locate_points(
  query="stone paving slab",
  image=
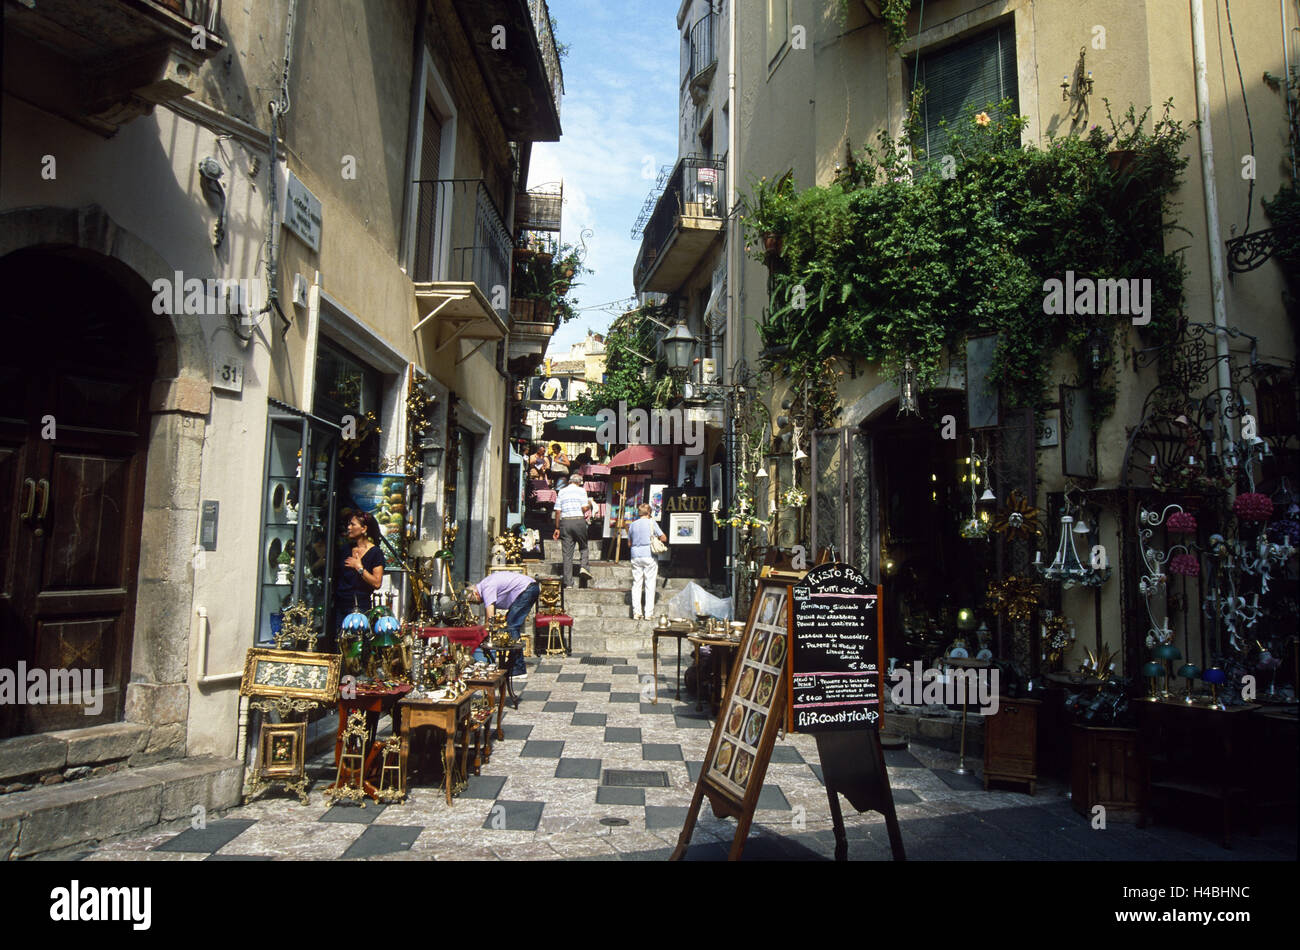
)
(542, 796)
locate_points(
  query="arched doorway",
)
(75, 374)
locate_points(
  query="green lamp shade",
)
(1189, 672)
(1215, 676)
(1151, 669)
(965, 619)
(1167, 651)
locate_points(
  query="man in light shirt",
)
(572, 514)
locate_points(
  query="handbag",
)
(657, 546)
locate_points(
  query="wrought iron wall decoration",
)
(1155, 578)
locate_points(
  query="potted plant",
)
(285, 565)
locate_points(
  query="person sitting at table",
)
(515, 593)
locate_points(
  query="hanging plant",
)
(898, 260)
(1188, 565)
(794, 497)
(1253, 506)
(1181, 522)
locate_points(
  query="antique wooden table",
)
(495, 684)
(678, 632)
(720, 653)
(448, 715)
(374, 703)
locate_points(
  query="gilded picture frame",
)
(292, 673)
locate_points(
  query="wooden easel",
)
(620, 522)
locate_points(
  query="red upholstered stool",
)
(554, 625)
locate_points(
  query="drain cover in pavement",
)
(614, 822)
(635, 778)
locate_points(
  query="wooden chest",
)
(1010, 743)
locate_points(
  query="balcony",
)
(539, 209)
(102, 63)
(524, 79)
(462, 263)
(685, 223)
(704, 57)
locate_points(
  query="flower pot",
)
(282, 575)
(771, 243)
(1120, 161)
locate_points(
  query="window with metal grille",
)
(972, 74)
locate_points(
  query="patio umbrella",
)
(572, 428)
(635, 455)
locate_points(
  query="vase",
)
(282, 574)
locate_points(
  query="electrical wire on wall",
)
(1250, 195)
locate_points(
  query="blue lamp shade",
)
(1214, 676)
(386, 629)
(356, 622)
(1189, 672)
(1151, 669)
(1167, 651)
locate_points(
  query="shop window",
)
(971, 74)
(346, 387)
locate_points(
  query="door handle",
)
(29, 485)
(43, 487)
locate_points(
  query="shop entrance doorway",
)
(929, 572)
(75, 371)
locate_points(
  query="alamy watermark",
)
(204, 297)
(656, 427)
(40, 687)
(952, 687)
(1087, 295)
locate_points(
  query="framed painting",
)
(685, 527)
(291, 673)
(283, 753)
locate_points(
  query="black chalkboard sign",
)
(836, 652)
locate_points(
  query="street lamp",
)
(678, 345)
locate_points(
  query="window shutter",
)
(427, 202)
(976, 73)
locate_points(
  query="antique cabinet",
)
(297, 520)
(1010, 743)
(1105, 770)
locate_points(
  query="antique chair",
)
(552, 619)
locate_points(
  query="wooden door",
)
(72, 453)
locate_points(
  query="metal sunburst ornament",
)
(1014, 597)
(1019, 520)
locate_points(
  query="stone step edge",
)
(44, 822)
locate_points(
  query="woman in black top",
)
(362, 563)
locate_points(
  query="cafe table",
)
(451, 716)
(677, 631)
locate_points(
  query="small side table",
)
(448, 715)
(717, 662)
(495, 684)
(678, 634)
(505, 661)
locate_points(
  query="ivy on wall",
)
(902, 256)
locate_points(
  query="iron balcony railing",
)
(703, 51)
(204, 13)
(550, 53)
(696, 188)
(475, 246)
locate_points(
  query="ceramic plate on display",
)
(273, 554)
(278, 493)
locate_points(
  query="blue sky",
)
(619, 111)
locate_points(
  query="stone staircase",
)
(602, 606)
